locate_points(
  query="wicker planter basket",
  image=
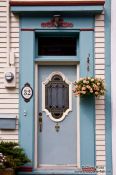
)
(7, 171)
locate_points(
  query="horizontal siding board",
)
(100, 106)
(14, 19)
(101, 112)
(100, 148)
(100, 122)
(100, 158)
(99, 29)
(14, 40)
(9, 132)
(100, 142)
(100, 127)
(100, 50)
(99, 72)
(99, 55)
(99, 40)
(100, 153)
(100, 102)
(3, 30)
(3, 60)
(99, 61)
(3, 4)
(15, 25)
(3, 35)
(14, 34)
(98, 162)
(3, 40)
(3, 9)
(3, 24)
(99, 23)
(100, 132)
(9, 101)
(9, 137)
(99, 17)
(3, 96)
(100, 137)
(7, 91)
(9, 111)
(3, 45)
(15, 45)
(3, 19)
(99, 45)
(2, 14)
(100, 66)
(99, 34)
(100, 76)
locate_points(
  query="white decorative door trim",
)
(48, 79)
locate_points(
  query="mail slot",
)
(8, 123)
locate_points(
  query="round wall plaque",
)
(27, 92)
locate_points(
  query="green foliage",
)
(14, 155)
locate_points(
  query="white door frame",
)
(36, 119)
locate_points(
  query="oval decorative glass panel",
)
(57, 93)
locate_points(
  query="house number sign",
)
(27, 92)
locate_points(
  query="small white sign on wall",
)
(27, 92)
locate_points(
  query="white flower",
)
(84, 81)
(83, 88)
(98, 83)
(92, 80)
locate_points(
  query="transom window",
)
(57, 46)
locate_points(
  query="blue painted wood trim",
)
(26, 126)
(64, 9)
(57, 58)
(108, 87)
(87, 104)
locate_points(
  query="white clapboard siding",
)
(9, 137)
(9, 106)
(6, 91)
(99, 55)
(100, 103)
(9, 111)
(2, 40)
(9, 98)
(100, 106)
(100, 61)
(100, 122)
(99, 40)
(100, 153)
(99, 29)
(99, 66)
(99, 45)
(100, 148)
(9, 101)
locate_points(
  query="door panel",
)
(57, 148)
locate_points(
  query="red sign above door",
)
(52, 23)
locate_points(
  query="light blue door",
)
(57, 125)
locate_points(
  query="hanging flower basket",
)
(89, 86)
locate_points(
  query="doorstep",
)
(57, 172)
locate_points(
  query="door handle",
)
(40, 121)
